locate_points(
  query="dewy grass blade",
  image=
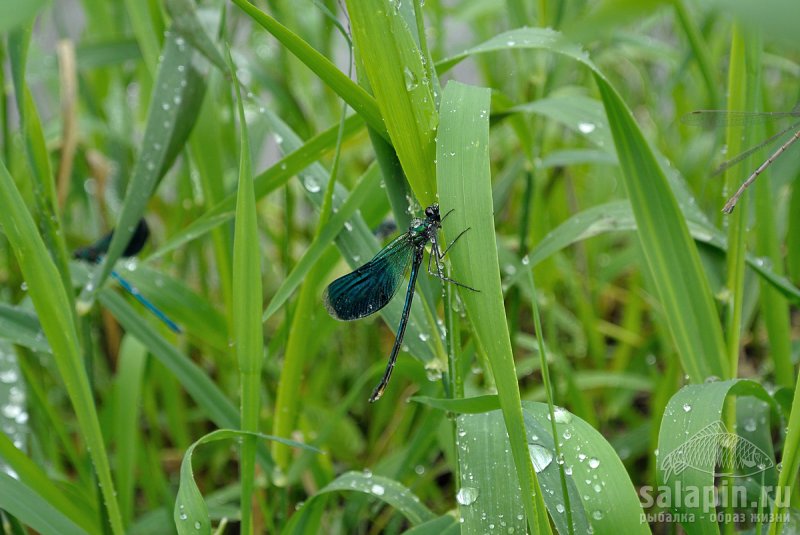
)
(56, 316)
(177, 93)
(488, 488)
(591, 459)
(688, 415)
(387, 490)
(465, 187)
(393, 64)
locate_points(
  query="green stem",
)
(537, 321)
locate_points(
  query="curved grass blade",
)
(520, 38)
(669, 252)
(191, 511)
(382, 488)
(687, 416)
(593, 461)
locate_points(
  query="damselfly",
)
(714, 118)
(370, 287)
(94, 254)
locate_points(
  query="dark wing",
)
(137, 241)
(370, 287)
(92, 253)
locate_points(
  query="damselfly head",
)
(432, 212)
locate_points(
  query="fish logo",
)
(713, 446)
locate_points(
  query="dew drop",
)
(562, 416)
(467, 495)
(411, 79)
(541, 457)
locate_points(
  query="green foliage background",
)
(269, 145)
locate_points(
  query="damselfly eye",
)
(432, 210)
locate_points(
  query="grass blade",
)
(58, 322)
(688, 412)
(178, 91)
(247, 296)
(382, 488)
(26, 505)
(354, 95)
(127, 398)
(393, 64)
(465, 187)
(191, 511)
(669, 252)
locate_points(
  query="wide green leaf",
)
(693, 438)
